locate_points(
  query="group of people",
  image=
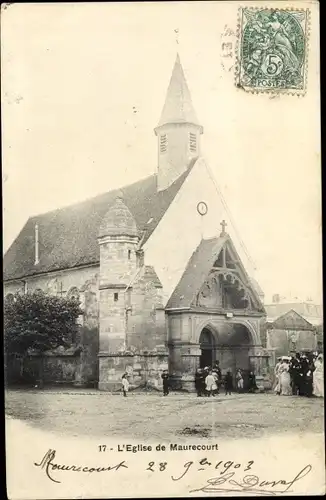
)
(300, 375)
(209, 380)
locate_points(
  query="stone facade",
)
(133, 271)
(291, 333)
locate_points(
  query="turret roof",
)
(118, 220)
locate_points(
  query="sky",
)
(83, 86)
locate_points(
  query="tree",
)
(36, 322)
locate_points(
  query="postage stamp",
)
(272, 50)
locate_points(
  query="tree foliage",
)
(39, 322)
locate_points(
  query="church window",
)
(163, 143)
(193, 142)
(116, 296)
(129, 254)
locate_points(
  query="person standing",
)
(284, 378)
(295, 373)
(252, 382)
(309, 376)
(276, 374)
(165, 378)
(239, 379)
(318, 379)
(205, 373)
(210, 384)
(199, 382)
(303, 375)
(228, 383)
(125, 384)
(218, 372)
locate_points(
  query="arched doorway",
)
(207, 347)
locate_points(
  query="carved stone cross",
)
(223, 224)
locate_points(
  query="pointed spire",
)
(178, 106)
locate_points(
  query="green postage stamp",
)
(272, 50)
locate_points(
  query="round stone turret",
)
(118, 221)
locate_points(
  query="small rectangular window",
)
(192, 142)
(163, 143)
(129, 254)
(116, 296)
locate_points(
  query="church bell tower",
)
(178, 131)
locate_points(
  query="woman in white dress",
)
(318, 377)
(277, 386)
(285, 379)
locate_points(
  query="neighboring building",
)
(301, 321)
(308, 310)
(291, 333)
(154, 277)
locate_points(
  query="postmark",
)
(272, 50)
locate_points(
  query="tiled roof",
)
(196, 272)
(68, 236)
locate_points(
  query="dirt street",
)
(152, 416)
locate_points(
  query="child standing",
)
(165, 377)
(125, 385)
(210, 383)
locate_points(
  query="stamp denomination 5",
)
(272, 50)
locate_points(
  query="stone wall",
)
(145, 321)
(68, 278)
(57, 369)
(144, 370)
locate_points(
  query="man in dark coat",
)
(165, 377)
(252, 382)
(217, 370)
(228, 383)
(199, 382)
(303, 375)
(295, 373)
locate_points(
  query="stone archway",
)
(229, 343)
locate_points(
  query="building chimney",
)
(276, 298)
(36, 246)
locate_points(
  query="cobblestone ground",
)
(152, 416)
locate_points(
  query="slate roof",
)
(311, 312)
(178, 107)
(68, 236)
(291, 320)
(196, 272)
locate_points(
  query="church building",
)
(157, 273)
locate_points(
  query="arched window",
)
(73, 293)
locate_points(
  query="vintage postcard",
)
(163, 318)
